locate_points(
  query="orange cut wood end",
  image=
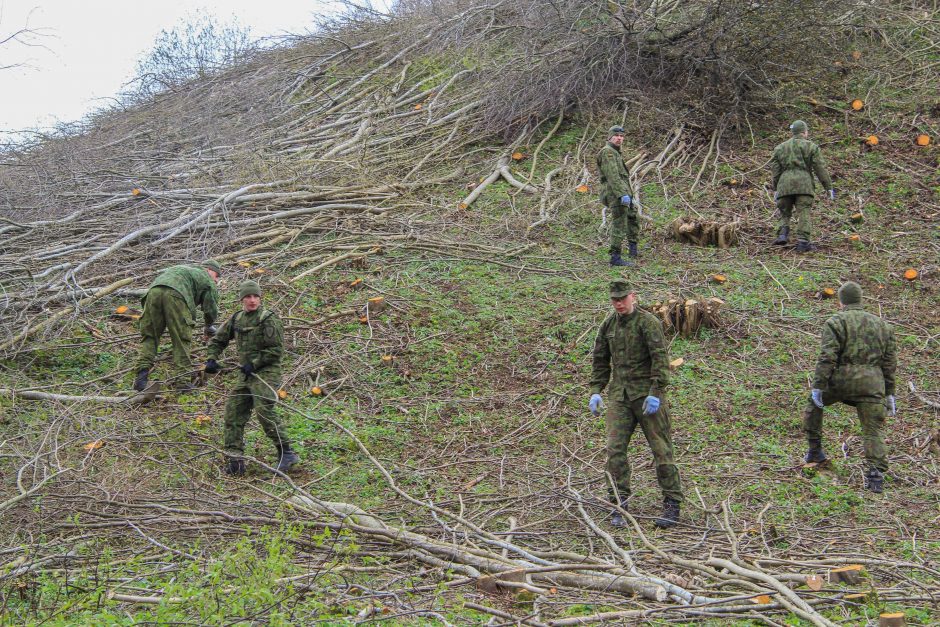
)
(719, 278)
(94, 445)
(419, 106)
(316, 390)
(923, 140)
(136, 191)
(854, 237)
(121, 309)
(857, 104)
(872, 140)
(282, 393)
(828, 292)
(376, 300)
(581, 189)
(518, 156)
(910, 274)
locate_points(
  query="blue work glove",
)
(650, 405)
(626, 199)
(816, 395)
(595, 404)
(892, 406)
(212, 366)
(832, 194)
(247, 369)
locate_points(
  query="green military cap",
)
(798, 127)
(248, 288)
(212, 264)
(850, 293)
(615, 130)
(619, 289)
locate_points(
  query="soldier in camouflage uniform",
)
(170, 305)
(617, 195)
(856, 366)
(793, 165)
(259, 336)
(630, 352)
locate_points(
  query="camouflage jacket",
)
(858, 357)
(195, 286)
(615, 179)
(793, 164)
(259, 337)
(630, 352)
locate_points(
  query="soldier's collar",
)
(621, 316)
(617, 148)
(853, 306)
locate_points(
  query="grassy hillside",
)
(356, 159)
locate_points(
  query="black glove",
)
(212, 366)
(211, 330)
(247, 369)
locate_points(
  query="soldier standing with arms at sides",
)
(170, 305)
(630, 353)
(259, 337)
(856, 366)
(617, 195)
(793, 165)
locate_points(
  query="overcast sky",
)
(89, 48)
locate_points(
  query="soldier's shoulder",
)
(648, 318)
(606, 151)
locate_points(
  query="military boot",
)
(783, 236)
(634, 253)
(618, 519)
(140, 382)
(286, 458)
(617, 260)
(874, 480)
(234, 467)
(670, 515)
(815, 454)
(803, 246)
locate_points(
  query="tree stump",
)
(705, 232)
(687, 316)
(850, 574)
(891, 619)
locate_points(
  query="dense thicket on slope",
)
(370, 159)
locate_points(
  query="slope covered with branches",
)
(442, 158)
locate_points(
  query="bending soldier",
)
(856, 366)
(259, 337)
(170, 305)
(793, 165)
(630, 352)
(617, 195)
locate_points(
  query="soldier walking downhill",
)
(793, 165)
(856, 366)
(617, 195)
(630, 352)
(259, 337)
(170, 305)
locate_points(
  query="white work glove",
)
(832, 194)
(892, 406)
(596, 403)
(816, 395)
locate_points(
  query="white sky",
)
(91, 47)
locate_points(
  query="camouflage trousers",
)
(622, 420)
(870, 414)
(802, 204)
(257, 394)
(624, 223)
(165, 310)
